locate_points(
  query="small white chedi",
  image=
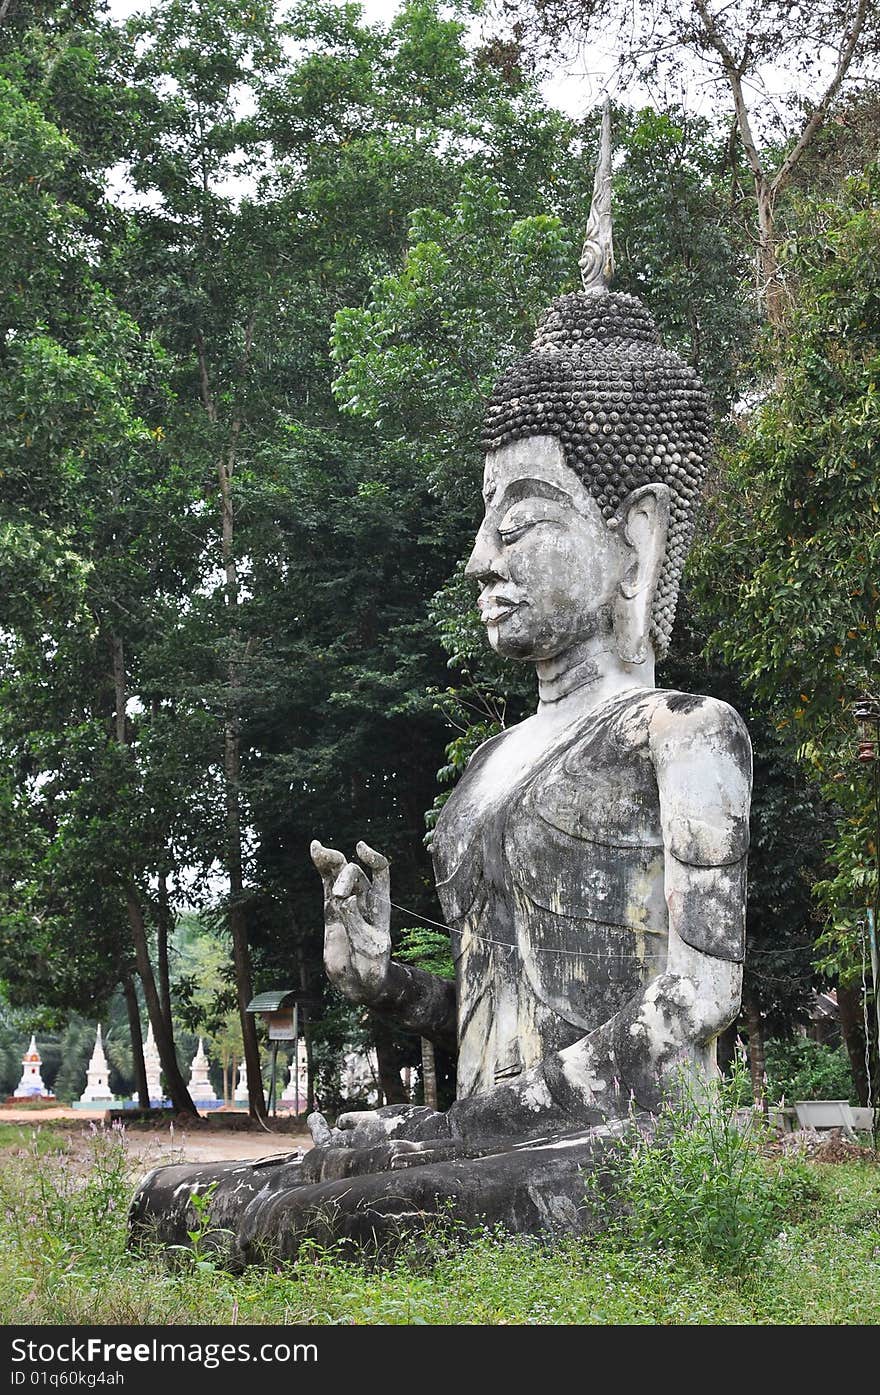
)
(200, 1088)
(97, 1089)
(241, 1089)
(153, 1067)
(32, 1086)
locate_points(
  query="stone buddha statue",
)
(591, 862)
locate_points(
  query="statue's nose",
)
(486, 561)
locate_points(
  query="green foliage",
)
(74, 1268)
(422, 356)
(80, 1219)
(429, 949)
(797, 540)
(801, 1069)
(699, 1183)
(208, 1244)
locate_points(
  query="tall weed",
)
(699, 1181)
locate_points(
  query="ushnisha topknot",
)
(626, 411)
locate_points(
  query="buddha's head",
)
(596, 449)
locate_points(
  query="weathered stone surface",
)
(372, 1199)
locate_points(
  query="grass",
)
(44, 1139)
(63, 1210)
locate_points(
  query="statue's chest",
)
(537, 811)
(550, 870)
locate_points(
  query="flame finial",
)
(597, 258)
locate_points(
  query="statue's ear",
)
(642, 524)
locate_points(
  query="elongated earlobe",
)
(642, 522)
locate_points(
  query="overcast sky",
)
(572, 88)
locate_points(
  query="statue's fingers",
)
(337, 953)
(357, 928)
(352, 881)
(381, 897)
(329, 863)
(353, 1117)
(368, 945)
(321, 1132)
(376, 861)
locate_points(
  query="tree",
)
(82, 485)
(191, 67)
(742, 47)
(797, 539)
(431, 951)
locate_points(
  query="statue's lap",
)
(373, 1197)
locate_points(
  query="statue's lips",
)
(493, 611)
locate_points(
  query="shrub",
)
(699, 1183)
(801, 1069)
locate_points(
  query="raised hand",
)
(357, 921)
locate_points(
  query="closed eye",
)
(520, 519)
(510, 535)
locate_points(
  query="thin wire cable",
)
(536, 949)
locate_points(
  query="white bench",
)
(826, 1114)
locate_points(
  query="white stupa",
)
(200, 1088)
(31, 1085)
(153, 1067)
(289, 1098)
(97, 1089)
(241, 1090)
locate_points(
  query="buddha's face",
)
(548, 565)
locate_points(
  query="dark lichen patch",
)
(684, 702)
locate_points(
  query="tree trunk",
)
(163, 1030)
(237, 925)
(736, 68)
(852, 1028)
(163, 929)
(174, 1082)
(306, 1024)
(244, 990)
(429, 1073)
(388, 1058)
(137, 1041)
(232, 735)
(757, 1063)
(769, 286)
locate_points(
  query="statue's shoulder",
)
(691, 723)
(703, 761)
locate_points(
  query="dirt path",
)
(153, 1147)
(161, 1146)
